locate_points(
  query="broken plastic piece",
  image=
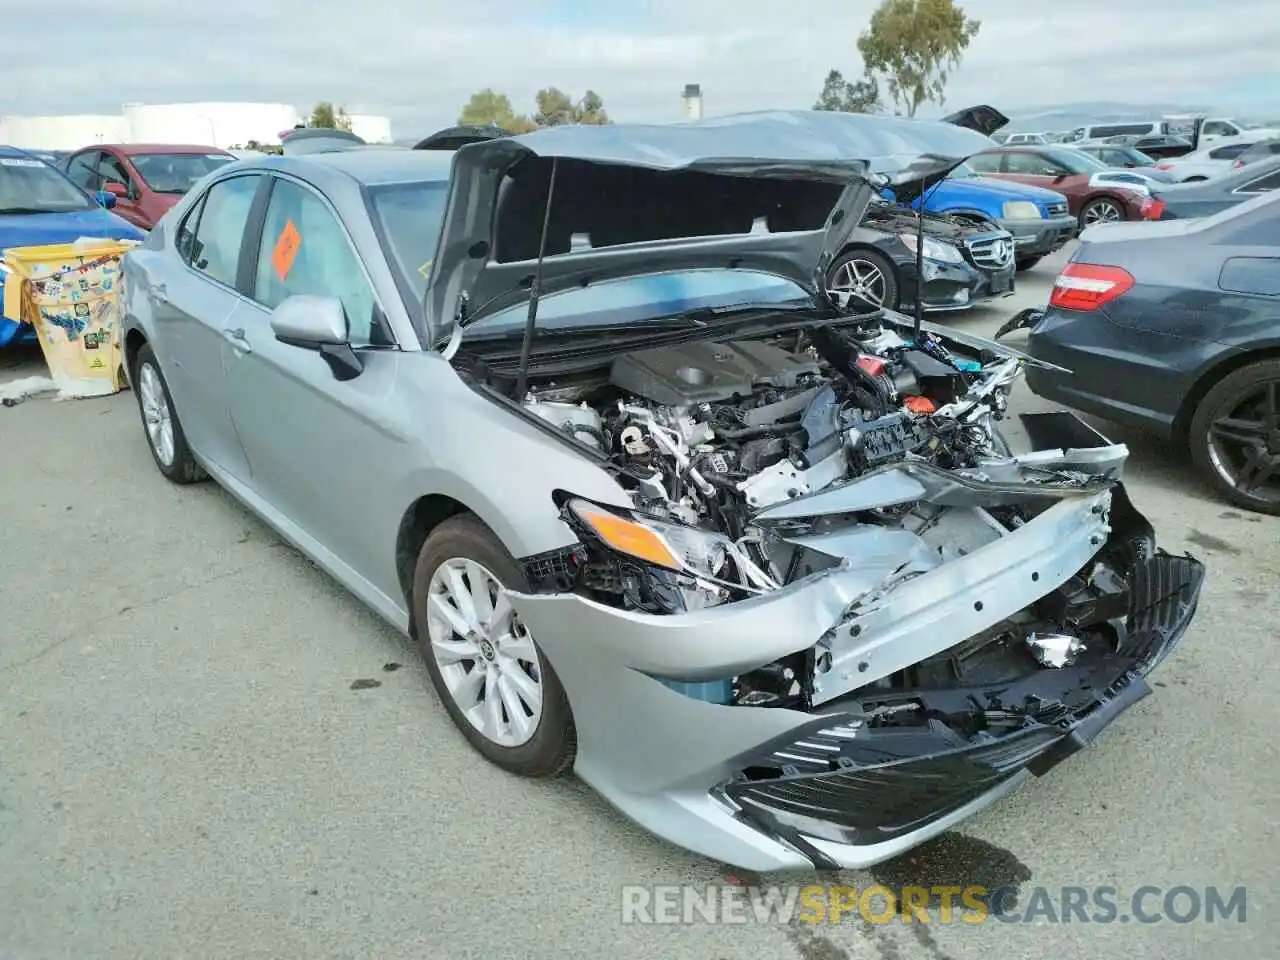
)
(1055, 649)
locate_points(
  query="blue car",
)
(39, 205)
(1038, 218)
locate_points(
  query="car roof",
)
(131, 149)
(369, 166)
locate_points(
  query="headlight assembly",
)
(934, 249)
(1021, 210)
(664, 567)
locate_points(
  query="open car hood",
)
(486, 259)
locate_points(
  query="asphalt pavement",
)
(209, 750)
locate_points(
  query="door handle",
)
(158, 292)
(235, 336)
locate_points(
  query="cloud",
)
(419, 60)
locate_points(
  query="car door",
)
(191, 305)
(313, 442)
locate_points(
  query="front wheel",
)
(863, 280)
(164, 430)
(499, 689)
(1101, 210)
(1235, 437)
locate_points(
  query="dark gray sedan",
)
(1176, 325)
(1207, 197)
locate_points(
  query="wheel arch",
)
(134, 341)
(1222, 367)
(419, 520)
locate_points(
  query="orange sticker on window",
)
(286, 250)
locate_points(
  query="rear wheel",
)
(164, 430)
(499, 689)
(1235, 436)
(1101, 210)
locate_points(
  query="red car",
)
(1071, 173)
(146, 178)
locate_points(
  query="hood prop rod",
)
(531, 321)
(919, 312)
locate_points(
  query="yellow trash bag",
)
(70, 293)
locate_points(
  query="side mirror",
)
(105, 199)
(115, 189)
(318, 323)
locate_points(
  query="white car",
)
(1210, 162)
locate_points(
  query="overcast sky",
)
(417, 61)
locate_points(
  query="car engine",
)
(710, 434)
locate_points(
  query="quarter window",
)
(219, 232)
(305, 251)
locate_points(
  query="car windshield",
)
(650, 298)
(1077, 161)
(176, 172)
(409, 216)
(28, 185)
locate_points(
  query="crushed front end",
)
(843, 614)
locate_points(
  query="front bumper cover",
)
(877, 786)
(676, 764)
(955, 286)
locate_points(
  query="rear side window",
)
(1262, 184)
(219, 232)
(1229, 152)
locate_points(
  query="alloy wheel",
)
(486, 656)
(1244, 445)
(156, 414)
(1103, 211)
(857, 282)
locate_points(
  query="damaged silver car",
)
(574, 409)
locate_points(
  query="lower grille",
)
(991, 253)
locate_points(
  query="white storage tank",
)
(212, 124)
(371, 129)
(61, 133)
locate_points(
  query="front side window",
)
(985, 163)
(305, 251)
(176, 173)
(112, 171)
(1031, 164)
(219, 232)
(28, 185)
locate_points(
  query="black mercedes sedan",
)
(964, 262)
(1207, 197)
(1176, 325)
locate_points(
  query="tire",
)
(1026, 263)
(160, 423)
(1221, 454)
(839, 274)
(1097, 206)
(467, 546)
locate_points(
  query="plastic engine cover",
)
(707, 372)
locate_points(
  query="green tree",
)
(591, 110)
(915, 44)
(490, 108)
(839, 94)
(325, 114)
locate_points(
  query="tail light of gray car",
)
(1089, 286)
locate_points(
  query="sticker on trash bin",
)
(286, 249)
(97, 363)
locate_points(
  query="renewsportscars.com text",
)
(818, 903)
